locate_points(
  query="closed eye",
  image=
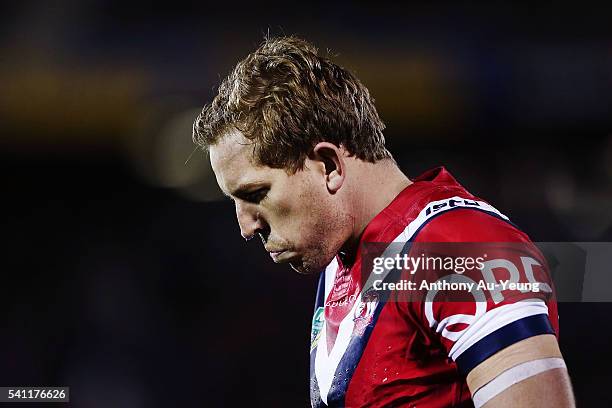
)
(255, 196)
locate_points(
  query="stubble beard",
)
(328, 236)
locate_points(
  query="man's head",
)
(284, 129)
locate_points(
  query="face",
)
(297, 218)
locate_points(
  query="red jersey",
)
(374, 350)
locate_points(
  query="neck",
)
(375, 186)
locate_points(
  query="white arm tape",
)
(514, 375)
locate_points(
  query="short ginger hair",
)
(285, 98)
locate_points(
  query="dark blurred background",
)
(124, 274)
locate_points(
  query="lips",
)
(283, 256)
(276, 254)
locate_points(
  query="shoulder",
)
(470, 225)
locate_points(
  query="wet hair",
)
(285, 98)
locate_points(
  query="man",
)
(296, 142)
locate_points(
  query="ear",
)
(332, 163)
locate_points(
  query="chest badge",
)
(364, 312)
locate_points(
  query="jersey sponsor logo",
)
(492, 283)
(317, 324)
(443, 326)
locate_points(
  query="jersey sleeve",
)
(511, 297)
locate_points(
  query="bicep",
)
(550, 388)
(528, 373)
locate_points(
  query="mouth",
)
(282, 256)
(275, 255)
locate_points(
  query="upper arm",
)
(529, 373)
(506, 344)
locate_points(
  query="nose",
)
(249, 220)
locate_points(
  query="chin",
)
(309, 268)
(301, 268)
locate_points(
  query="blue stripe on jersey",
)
(501, 338)
(352, 355)
(349, 362)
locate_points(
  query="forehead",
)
(232, 161)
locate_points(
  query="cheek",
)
(299, 214)
(317, 224)
(300, 200)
